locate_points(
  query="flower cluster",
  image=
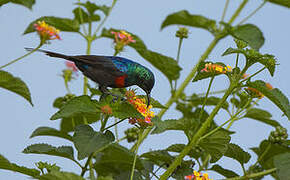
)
(122, 39)
(69, 72)
(46, 32)
(197, 176)
(106, 109)
(140, 105)
(182, 32)
(216, 68)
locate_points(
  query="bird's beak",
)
(148, 99)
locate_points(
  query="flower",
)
(197, 176)
(216, 68)
(122, 39)
(46, 32)
(106, 109)
(140, 105)
(182, 32)
(245, 76)
(71, 65)
(254, 92)
(269, 86)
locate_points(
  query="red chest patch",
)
(120, 81)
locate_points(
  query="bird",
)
(111, 71)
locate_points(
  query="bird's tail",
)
(52, 54)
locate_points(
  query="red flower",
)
(46, 32)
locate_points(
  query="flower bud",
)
(182, 32)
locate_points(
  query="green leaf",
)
(185, 18)
(87, 141)
(285, 3)
(250, 34)
(5, 164)
(194, 152)
(92, 8)
(254, 56)
(275, 95)
(14, 84)
(225, 172)
(216, 144)
(158, 157)
(116, 159)
(124, 110)
(63, 24)
(211, 101)
(167, 65)
(62, 151)
(262, 116)
(76, 106)
(48, 131)
(82, 17)
(26, 3)
(170, 124)
(236, 152)
(282, 163)
(56, 175)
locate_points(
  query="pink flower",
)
(71, 65)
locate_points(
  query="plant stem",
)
(92, 174)
(254, 74)
(263, 154)
(195, 139)
(237, 60)
(136, 152)
(206, 96)
(254, 175)
(253, 13)
(27, 54)
(89, 44)
(204, 163)
(82, 19)
(177, 58)
(225, 10)
(114, 124)
(238, 11)
(213, 92)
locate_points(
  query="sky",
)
(143, 18)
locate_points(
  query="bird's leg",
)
(106, 92)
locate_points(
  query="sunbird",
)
(111, 71)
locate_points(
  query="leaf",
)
(63, 24)
(211, 101)
(250, 34)
(82, 17)
(170, 124)
(275, 95)
(124, 110)
(116, 159)
(56, 175)
(92, 8)
(5, 164)
(62, 151)
(282, 163)
(167, 65)
(194, 152)
(76, 106)
(261, 116)
(285, 3)
(216, 144)
(153, 102)
(237, 153)
(184, 18)
(14, 84)
(48, 131)
(26, 3)
(225, 172)
(87, 141)
(158, 157)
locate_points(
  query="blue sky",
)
(41, 73)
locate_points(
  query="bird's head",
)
(147, 85)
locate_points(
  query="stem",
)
(104, 20)
(116, 129)
(225, 10)
(27, 54)
(254, 74)
(177, 59)
(214, 92)
(195, 139)
(254, 175)
(92, 174)
(254, 12)
(263, 154)
(136, 152)
(237, 60)
(81, 19)
(237, 12)
(204, 163)
(89, 43)
(104, 124)
(206, 96)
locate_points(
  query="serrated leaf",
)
(48, 131)
(185, 18)
(250, 34)
(262, 116)
(82, 17)
(5, 164)
(167, 65)
(285, 3)
(14, 84)
(56, 175)
(216, 144)
(76, 106)
(275, 95)
(116, 159)
(26, 3)
(63, 24)
(225, 172)
(62, 151)
(211, 101)
(282, 163)
(237, 153)
(87, 141)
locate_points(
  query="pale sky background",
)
(41, 73)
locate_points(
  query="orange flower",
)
(106, 109)
(197, 176)
(216, 68)
(123, 37)
(245, 76)
(269, 86)
(46, 32)
(254, 92)
(139, 104)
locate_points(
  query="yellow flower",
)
(197, 176)
(46, 32)
(122, 39)
(216, 68)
